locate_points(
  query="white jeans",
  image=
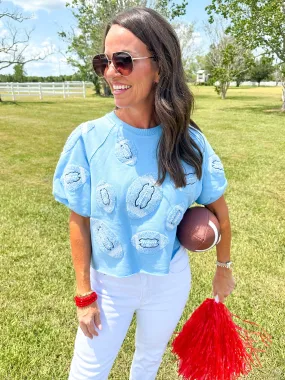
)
(158, 302)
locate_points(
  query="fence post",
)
(12, 89)
(64, 94)
(84, 89)
(40, 89)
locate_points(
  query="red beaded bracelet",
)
(85, 300)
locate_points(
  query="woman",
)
(128, 178)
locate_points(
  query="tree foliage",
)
(19, 73)
(189, 48)
(279, 73)
(255, 24)
(227, 60)
(262, 69)
(49, 79)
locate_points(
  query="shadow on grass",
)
(244, 98)
(262, 109)
(12, 103)
(101, 96)
(8, 103)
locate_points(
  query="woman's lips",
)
(120, 91)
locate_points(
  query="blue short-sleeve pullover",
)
(108, 171)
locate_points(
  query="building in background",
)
(202, 76)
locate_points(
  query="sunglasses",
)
(122, 61)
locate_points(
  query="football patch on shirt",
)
(174, 217)
(149, 241)
(191, 178)
(73, 177)
(126, 152)
(106, 239)
(143, 197)
(216, 164)
(105, 196)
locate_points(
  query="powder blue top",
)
(107, 171)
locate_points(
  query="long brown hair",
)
(174, 102)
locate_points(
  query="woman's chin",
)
(121, 104)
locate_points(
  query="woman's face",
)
(141, 80)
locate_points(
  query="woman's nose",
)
(111, 71)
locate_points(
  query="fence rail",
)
(255, 84)
(65, 89)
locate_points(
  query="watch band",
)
(227, 264)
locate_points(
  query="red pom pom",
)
(212, 347)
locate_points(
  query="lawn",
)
(37, 314)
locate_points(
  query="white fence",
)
(255, 84)
(41, 89)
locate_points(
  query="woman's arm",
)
(220, 209)
(80, 241)
(223, 283)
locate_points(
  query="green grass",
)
(37, 314)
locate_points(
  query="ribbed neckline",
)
(138, 131)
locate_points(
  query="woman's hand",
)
(223, 283)
(88, 318)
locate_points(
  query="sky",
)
(51, 16)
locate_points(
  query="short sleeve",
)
(213, 179)
(71, 181)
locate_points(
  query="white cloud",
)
(46, 68)
(3, 32)
(53, 64)
(35, 5)
(44, 48)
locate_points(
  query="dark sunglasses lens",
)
(100, 62)
(123, 63)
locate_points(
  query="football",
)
(199, 230)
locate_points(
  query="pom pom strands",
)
(212, 347)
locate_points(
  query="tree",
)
(241, 77)
(91, 17)
(14, 42)
(19, 73)
(262, 69)
(170, 11)
(227, 60)
(279, 72)
(189, 49)
(255, 24)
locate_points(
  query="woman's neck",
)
(137, 118)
